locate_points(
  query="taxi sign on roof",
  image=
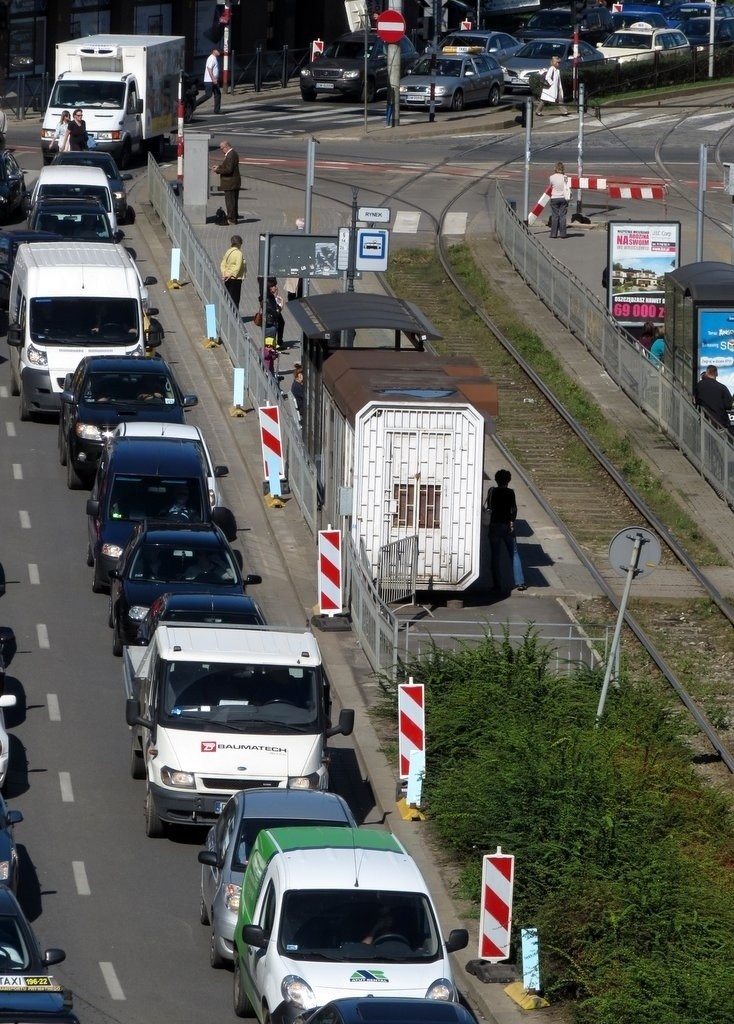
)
(28, 983)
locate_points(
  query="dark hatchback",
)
(140, 478)
(9, 818)
(595, 24)
(19, 950)
(340, 71)
(212, 609)
(115, 177)
(103, 392)
(164, 559)
(390, 1010)
(12, 185)
(9, 242)
(83, 220)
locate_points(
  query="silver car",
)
(535, 57)
(459, 80)
(229, 842)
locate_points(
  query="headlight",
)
(111, 550)
(109, 136)
(4, 870)
(212, 498)
(403, 89)
(48, 133)
(442, 989)
(137, 612)
(306, 73)
(352, 74)
(304, 781)
(441, 90)
(88, 432)
(36, 356)
(232, 897)
(118, 196)
(180, 780)
(295, 991)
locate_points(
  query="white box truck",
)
(214, 709)
(127, 87)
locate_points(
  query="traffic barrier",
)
(498, 875)
(317, 48)
(614, 189)
(270, 440)
(330, 572)
(411, 724)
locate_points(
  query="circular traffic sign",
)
(391, 26)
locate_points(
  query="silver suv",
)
(341, 68)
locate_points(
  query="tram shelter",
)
(699, 321)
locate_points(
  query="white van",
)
(68, 301)
(326, 913)
(70, 181)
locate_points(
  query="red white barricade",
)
(411, 723)
(614, 189)
(270, 439)
(498, 875)
(317, 48)
(465, 25)
(330, 572)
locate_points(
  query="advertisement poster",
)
(716, 343)
(640, 255)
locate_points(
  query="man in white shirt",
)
(211, 80)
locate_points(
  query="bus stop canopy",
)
(321, 316)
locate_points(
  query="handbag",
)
(258, 318)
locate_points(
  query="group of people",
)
(71, 133)
(652, 340)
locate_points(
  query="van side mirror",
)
(253, 935)
(139, 107)
(15, 335)
(150, 279)
(345, 725)
(118, 236)
(209, 857)
(458, 939)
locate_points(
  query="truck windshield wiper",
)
(248, 723)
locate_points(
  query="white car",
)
(187, 432)
(8, 700)
(640, 42)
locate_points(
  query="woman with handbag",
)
(560, 195)
(60, 141)
(552, 91)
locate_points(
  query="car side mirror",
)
(189, 401)
(150, 279)
(67, 395)
(221, 471)
(53, 956)
(252, 579)
(126, 177)
(253, 935)
(93, 507)
(209, 857)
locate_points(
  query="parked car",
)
(340, 70)
(9, 818)
(115, 177)
(102, 391)
(19, 949)
(9, 242)
(390, 1010)
(681, 15)
(698, 32)
(71, 182)
(594, 25)
(138, 479)
(495, 44)
(212, 609)
(535, 57)
(163, 558)
(634, 44)
(186, 432)
(229, 842)
(7, 700)
(77, 219)
(458, 81)
(632, 15)
(12, 185)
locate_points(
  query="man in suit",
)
(228, 170)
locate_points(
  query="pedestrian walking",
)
(78, 137)
(713, 397)
(502, 508)
(560, 194)
(298, 392)
(230, 181)
(211, 81)
(61, 139)
(552, 91)
(657, 349)
(233, 269)
(274, 319)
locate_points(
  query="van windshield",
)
(358, 925)
(72, 93)
(92, 321)
(240, 697)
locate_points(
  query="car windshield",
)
(71, 320)
(358, 925)
(174, 563)
(14, 952)
(629, 41)
(550, 19)
(116, 388)
(653, 19)
(213, 618)
(445, 66)
(251, 827)
(348, 49)
(240, 697)
(71, 92)
(543, 48)
(135, 497)
(87, 227)
(98, 192)
(478, 42)
(88, 160)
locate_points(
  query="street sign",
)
(342, 256)
(391, 26)
(465, 26)
(374, 214)
(372, 249)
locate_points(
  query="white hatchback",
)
(640, 42)
(71, 181)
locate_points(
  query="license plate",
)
(417, 99)
(324, 85)
(219, 806)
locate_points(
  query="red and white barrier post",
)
(272, 448)
(317, 48)
(226, 22)
(330, 572)
(498, 875)
(411, 724)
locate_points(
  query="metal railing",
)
(397, 569)
(708, 448)
(26, 93)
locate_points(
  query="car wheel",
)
(457, 100)
(307, 96)
(154, 827)
(369, 91)
(137, 764)
(62, 442)
(216, 960)
(24, 409)
(116, 641)
(242, 1005)
(494, 96)
(73, 480)
(203, 912)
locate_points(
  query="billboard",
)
(716, 343)
(300, 256)
(639, 256)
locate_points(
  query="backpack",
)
(220, 217)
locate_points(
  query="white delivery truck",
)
(127, 87)
(214, 709)
(68, 301)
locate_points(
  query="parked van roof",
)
(178, 642)
(75, 174)
(60, 255)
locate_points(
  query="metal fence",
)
(709, 449)
(397, 569)
(26, 94)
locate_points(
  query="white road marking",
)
(455, 224)
(406, 222)
(17, 471)
(10, 429)
(3, 391)
(54, 711)
(113, 985)
(716, 126)
(67, 793)
(25, 520)
(80, 878)
(33, 574)
(42, 634)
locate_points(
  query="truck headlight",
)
(232, 897)
(178, 780)
(88, 432)
(137, 612)
(36, 356)
(443, 989)
(48, 133)
(304, 781)
(295, 991)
